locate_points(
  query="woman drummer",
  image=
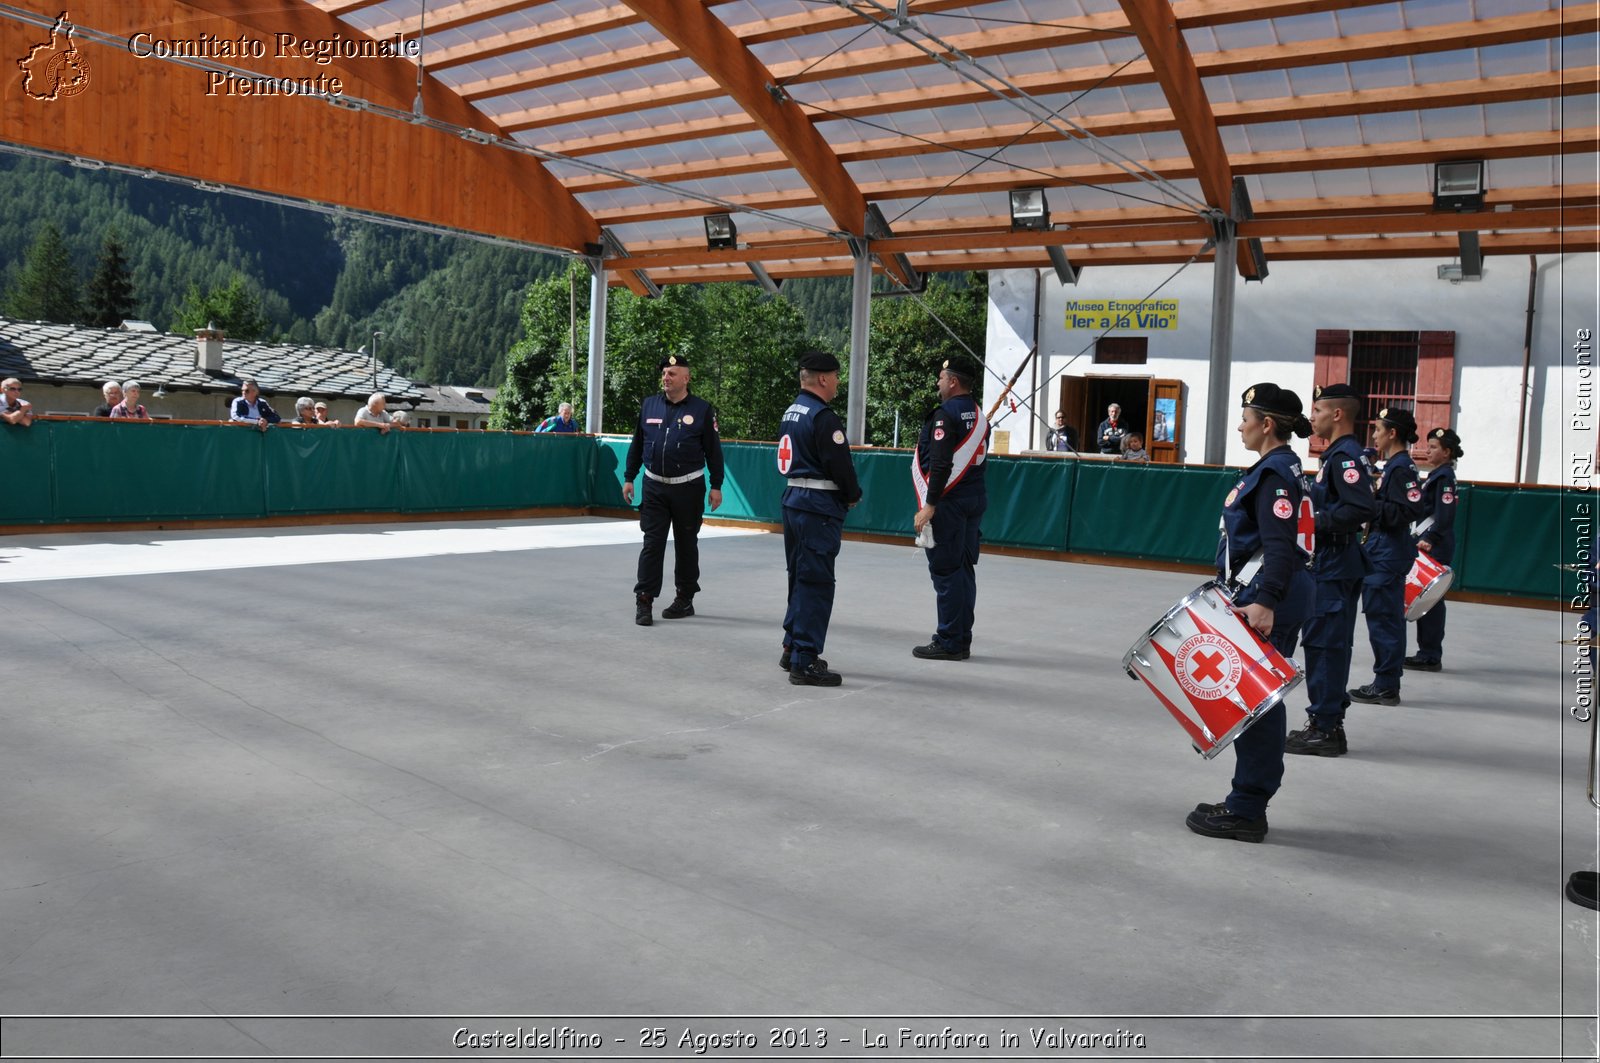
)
(1263, 554)
(1436, 536)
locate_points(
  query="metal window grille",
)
(1383, 367)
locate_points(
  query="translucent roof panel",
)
(937, 146)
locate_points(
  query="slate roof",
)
(473, 401)
(71, 354)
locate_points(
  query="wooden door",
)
(1164, 431)
(1075, 404)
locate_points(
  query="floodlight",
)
(1458, 186)
(721, 233)
(1029, 209)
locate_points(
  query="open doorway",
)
(1084, 400)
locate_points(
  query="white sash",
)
(971, 452)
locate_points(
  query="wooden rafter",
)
(1355, 156)
(1585, 241)
(155, 115)
(1539, 25)
(1180, 83)
(1476, 91)
(704, 38)
(1084, 236)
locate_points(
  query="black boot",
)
(641, 610)
(681, 607)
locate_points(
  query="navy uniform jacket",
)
(1261, 516)
(1399, 502)
(676, 438)
(942, 433)
(1341, 494)
(1439, 499)
(811, 441)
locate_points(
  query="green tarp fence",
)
(72, 472)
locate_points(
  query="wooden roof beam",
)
(1543, 85)
(708, 41)
(155, 115)
(1539, 25)
(1548, 243)
(1310, 160)
(1175, 71)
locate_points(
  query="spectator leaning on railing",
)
(322, 414)
(373, 414)
(14, 409)
(250, 406)
(305, 411)
(129, 406)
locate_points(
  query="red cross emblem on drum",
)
(1207, 667)
(785, 455)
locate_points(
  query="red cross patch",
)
(938, 433)
(785, 455)
(1352, 475)
(1413, 495)
(1447, 498)
(1282, 509)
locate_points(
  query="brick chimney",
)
(208, 356)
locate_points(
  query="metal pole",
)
(597, 346)
(1218, 394)
(860, 325)
(376, 336)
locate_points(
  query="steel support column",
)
(1219, 392)
(595, 400)
(860, 326)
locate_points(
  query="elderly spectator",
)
(373, 413)
(14, 409)
(250, 406)
(305, 411)
(112, 391)
(322, 414)
(561, 422)
(129, 406)
(400, 419)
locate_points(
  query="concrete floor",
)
(456, 780)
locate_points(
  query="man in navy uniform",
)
(822, 486)
(1390, 554)
(1341, 495)
(677, 444)
(947, 473)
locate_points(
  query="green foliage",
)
(46, 289)
(234, 309)
(110, 296)
(542, 370)
(908, 345)
(742, 346)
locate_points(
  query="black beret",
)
(673, 359)
(961, 366)
(1401, 421)
(819, 362)
(1448, 440)
(1270, 398)
(1335, 391)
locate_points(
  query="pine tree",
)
(110, 295)
(47, 287)
(235, 310)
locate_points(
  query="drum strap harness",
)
(1420, 528)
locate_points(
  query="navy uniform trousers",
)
(682, 508)
(952, 564)
(1383, 599)
(1329, 634)
(810, 546)
(1258, 752)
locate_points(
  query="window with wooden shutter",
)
(1436, 376)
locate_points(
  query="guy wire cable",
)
(1019, 98)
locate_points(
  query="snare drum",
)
(1426, 583)
(1210, 669)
